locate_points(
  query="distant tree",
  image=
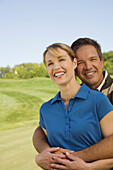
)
(4, 70)
(42, 71)
(108, 61)
(9, 76)
(22, 71)
(35, 69)
(29, 70)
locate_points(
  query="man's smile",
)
(89, 73)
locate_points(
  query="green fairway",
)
(19, 113)
(20, 100)
(16, 149)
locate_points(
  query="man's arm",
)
(45, 158)
(40, 140)
(100, 150)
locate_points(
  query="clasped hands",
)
(48, 156)
(58, 158)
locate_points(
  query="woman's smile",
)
(59, 74)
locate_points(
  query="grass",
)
(19, 104)
(16, 149)
(20, 101)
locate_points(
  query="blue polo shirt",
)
(77, 128)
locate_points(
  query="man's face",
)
(89, 68)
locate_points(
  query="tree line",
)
(24, 71)
(108, 61)
(31, 70)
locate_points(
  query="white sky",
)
(27, 27)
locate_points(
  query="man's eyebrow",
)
(79, 60)
(88, 58)
(94, 56)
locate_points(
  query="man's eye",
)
(80, 63)
(93, 59)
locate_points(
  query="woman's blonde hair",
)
(53, 49)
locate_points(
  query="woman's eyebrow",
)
(61, 56)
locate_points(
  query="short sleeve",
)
(41, 121)
(104, 106)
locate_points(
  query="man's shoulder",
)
(109, 79)
(107, 88)
(108, 83)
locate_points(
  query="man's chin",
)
(91, 85)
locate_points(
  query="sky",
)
(27, 27)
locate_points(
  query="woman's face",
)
(60, 68)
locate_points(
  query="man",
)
(90, 71)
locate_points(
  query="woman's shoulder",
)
(94, 93)
(100, 98)
(48, 103)
(98, 95)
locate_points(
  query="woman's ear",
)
(75, 63)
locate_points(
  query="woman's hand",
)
(71, 163)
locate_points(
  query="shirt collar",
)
(82, 93)
(105, 73)
(57, 97)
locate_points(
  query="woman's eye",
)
(61, 59)
(50, 64)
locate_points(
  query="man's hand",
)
(63, 151)
(45, 158)
(71, 163)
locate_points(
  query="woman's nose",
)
(56, 65)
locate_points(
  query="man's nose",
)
(87, 66)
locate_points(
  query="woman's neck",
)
(68, 91)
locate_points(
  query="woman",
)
(73, 118)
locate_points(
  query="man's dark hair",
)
(86, 41)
